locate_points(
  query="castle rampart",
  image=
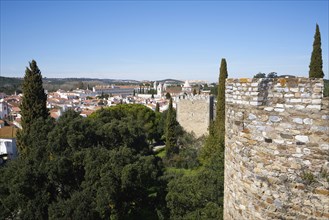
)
(194, 113)
(277, 149)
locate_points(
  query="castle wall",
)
(277, 149)
(194, 113)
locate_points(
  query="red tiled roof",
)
(16, 109)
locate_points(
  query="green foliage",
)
(308, 177)
(326, 88)
(103, 96)
(10, 85)
(34, 100)
(34, 103)
(212, 154)
(316, 58)
(220, 109)
(200, 195)
(263, 75)
(260, 75)
(272, 75)
(86, 168)
(171, 134)
(134, 114)
(157, 107)
(168, 96)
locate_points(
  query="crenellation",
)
(277, 149)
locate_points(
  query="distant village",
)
(87, 101)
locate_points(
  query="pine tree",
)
(33, 106)
(316, 58)
(171, 137)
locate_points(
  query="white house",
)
(4, 111)
(8, 149)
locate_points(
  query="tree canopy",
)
(100, 167)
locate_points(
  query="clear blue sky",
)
(156, 40)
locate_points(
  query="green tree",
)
(220, 110)
(168, 96)
(272, 75)
(316, 58)
(260, 75)
(212, 154)
(194, 92)
(98, 167)
(171, 135)
(34, 103)
(157, 107)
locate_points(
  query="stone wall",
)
(194, 113)
(277, 149)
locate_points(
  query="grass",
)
(173, 170)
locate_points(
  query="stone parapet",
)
(277, 149)
(278, 93)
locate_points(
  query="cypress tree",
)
(171, 137)
(316, 58)
(220, 111)
(157, 107)
(34, 102)
(33, 106)
(215, 141)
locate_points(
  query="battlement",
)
(193, 97)
(276, 149)
(279, 93)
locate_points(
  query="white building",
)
(8, 149)
(4, 111)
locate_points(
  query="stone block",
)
(298, 120)
(289, 95)
(286, 136)
(295, 100)
(308, 121)
(325, 117)
(294, 89)
(279, 110)
(299, 107)
(305, 95)
(321, 191)
(270, 109)
(316, 101)
(302, 138)
(252, 116)
(317, 107)
(255, 103)
(274, 119)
